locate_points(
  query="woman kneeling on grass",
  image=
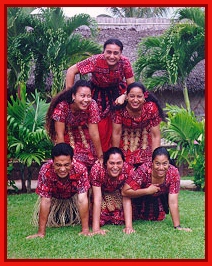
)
(107, 180)
(154, 190)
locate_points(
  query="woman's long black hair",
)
(65, 95)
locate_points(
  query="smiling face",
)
(82, 98)
(135, 98)
(160, 166)
(62, 165)
(112, 54)
(114, 165)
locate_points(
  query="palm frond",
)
(27, 158)
(27, 138)
(193, 14)
(80, 48)
(81, 20)
(182, 128)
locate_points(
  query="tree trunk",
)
(23, 181)
(29, 178)
(186, 97)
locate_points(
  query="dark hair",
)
(80, 83)
(160, 151)
(149, 98)
(114, 41)
(112, 150)
(62, 149)
(65, 95)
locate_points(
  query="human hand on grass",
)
(35, 235)
(86, 233)
(128, 230)
(100, 232)
(184, 229)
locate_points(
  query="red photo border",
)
(3, 99)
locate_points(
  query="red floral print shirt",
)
(50, 185)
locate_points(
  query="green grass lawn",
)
(152, 240)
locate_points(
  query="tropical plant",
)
(48, 44)
(19, 53)
(168, 59)
(188, 133)
(63, 45)
(27, 139)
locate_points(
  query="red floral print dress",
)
(107, 85)
(153, 207)
(76, 130)
(111, 207)
(136, 140)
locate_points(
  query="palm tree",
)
(18, 55)
(139, 12)
(50, 43)
(169, 58)
(62, 46)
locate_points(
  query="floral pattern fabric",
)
(142, 179)
(136, 140)
(76, 130)
(50, 185)
(112, 207)
(103, 78)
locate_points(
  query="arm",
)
(156, 137)
(82, 202)
(97, 200)
(174, 211)
(121, 98)
(43, 217)
(116, 134)
(130, 80)
(127, 191)
(60, 131)
(173, 206)
(127, 215)
(94, 135)
(70, 76)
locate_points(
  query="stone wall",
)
(139, 24)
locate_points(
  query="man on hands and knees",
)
(63, 192)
